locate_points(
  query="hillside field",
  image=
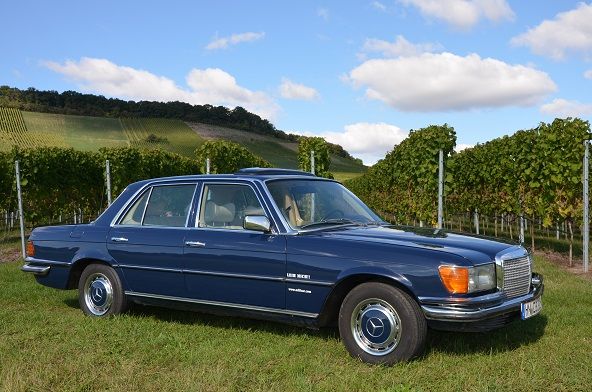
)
(33, 129)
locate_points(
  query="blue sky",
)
(360, 73)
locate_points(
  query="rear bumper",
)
(36, 269)
(49, 273)
(479, 309)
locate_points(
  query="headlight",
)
(482, 278)
(464, 280)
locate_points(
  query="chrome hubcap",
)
(376, 326)
(98, 294)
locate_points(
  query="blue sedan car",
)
(291, 247)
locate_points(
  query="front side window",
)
(226, 205)
(305, 203)
(161, 206)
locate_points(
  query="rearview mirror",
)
(257, 223)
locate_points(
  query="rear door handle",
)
(118, 239)
(195, 244)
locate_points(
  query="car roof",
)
(250, 174)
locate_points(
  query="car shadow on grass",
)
(508, 338)
(192, 317)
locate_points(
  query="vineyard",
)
(59, 184)
(13, 130)
(171, 135)
(535, 174)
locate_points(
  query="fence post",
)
(476, 221)
(441, 189)
(586, 228)
(108, 175)
(312, 162)
(207, 165)
(20, 206)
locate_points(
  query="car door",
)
(226, 263)
(147, 242)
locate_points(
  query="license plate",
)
(531, 308)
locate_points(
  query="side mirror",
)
(257, 223)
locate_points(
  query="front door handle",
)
(118, 239)
(195, 244)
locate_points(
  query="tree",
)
(306, 145)
(227, 157)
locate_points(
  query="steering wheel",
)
(333, 214)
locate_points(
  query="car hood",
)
(467, 246)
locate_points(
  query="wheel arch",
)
(79, 266)
(330, 310)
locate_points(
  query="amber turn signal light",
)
(30, 249)
(455, 279)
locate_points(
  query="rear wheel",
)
(100, 292)
(381, 324)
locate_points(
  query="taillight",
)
(30, 249)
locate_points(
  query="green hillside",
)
(279, 152)
(86, 133)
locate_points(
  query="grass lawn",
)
(47, 344)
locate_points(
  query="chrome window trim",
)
(145, 206)
(139, 192)
(287, 227)
(224, 304)
(206, 182)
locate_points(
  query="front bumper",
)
(478, 309)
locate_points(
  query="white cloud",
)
(292, 90)
(206, 86)
(463, 146)
(564, 108)
(379, 6)
(224, 42)
(323, 13)
(399, 47)
(570, 31)
(445, 81)
(463, 14)
(367, 141)
(588, 74)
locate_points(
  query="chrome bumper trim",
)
(36, 269)
(34, 260)
(466, 313)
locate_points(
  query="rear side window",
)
(161, 206)
(136, 212)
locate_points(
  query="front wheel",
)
(100, 292)
(381, 324)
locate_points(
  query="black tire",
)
(381, 324)
(100, 292)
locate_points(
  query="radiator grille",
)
(517, 275)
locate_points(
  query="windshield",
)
(308, 203)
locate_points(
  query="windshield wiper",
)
(340, 221)
(375, 223)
